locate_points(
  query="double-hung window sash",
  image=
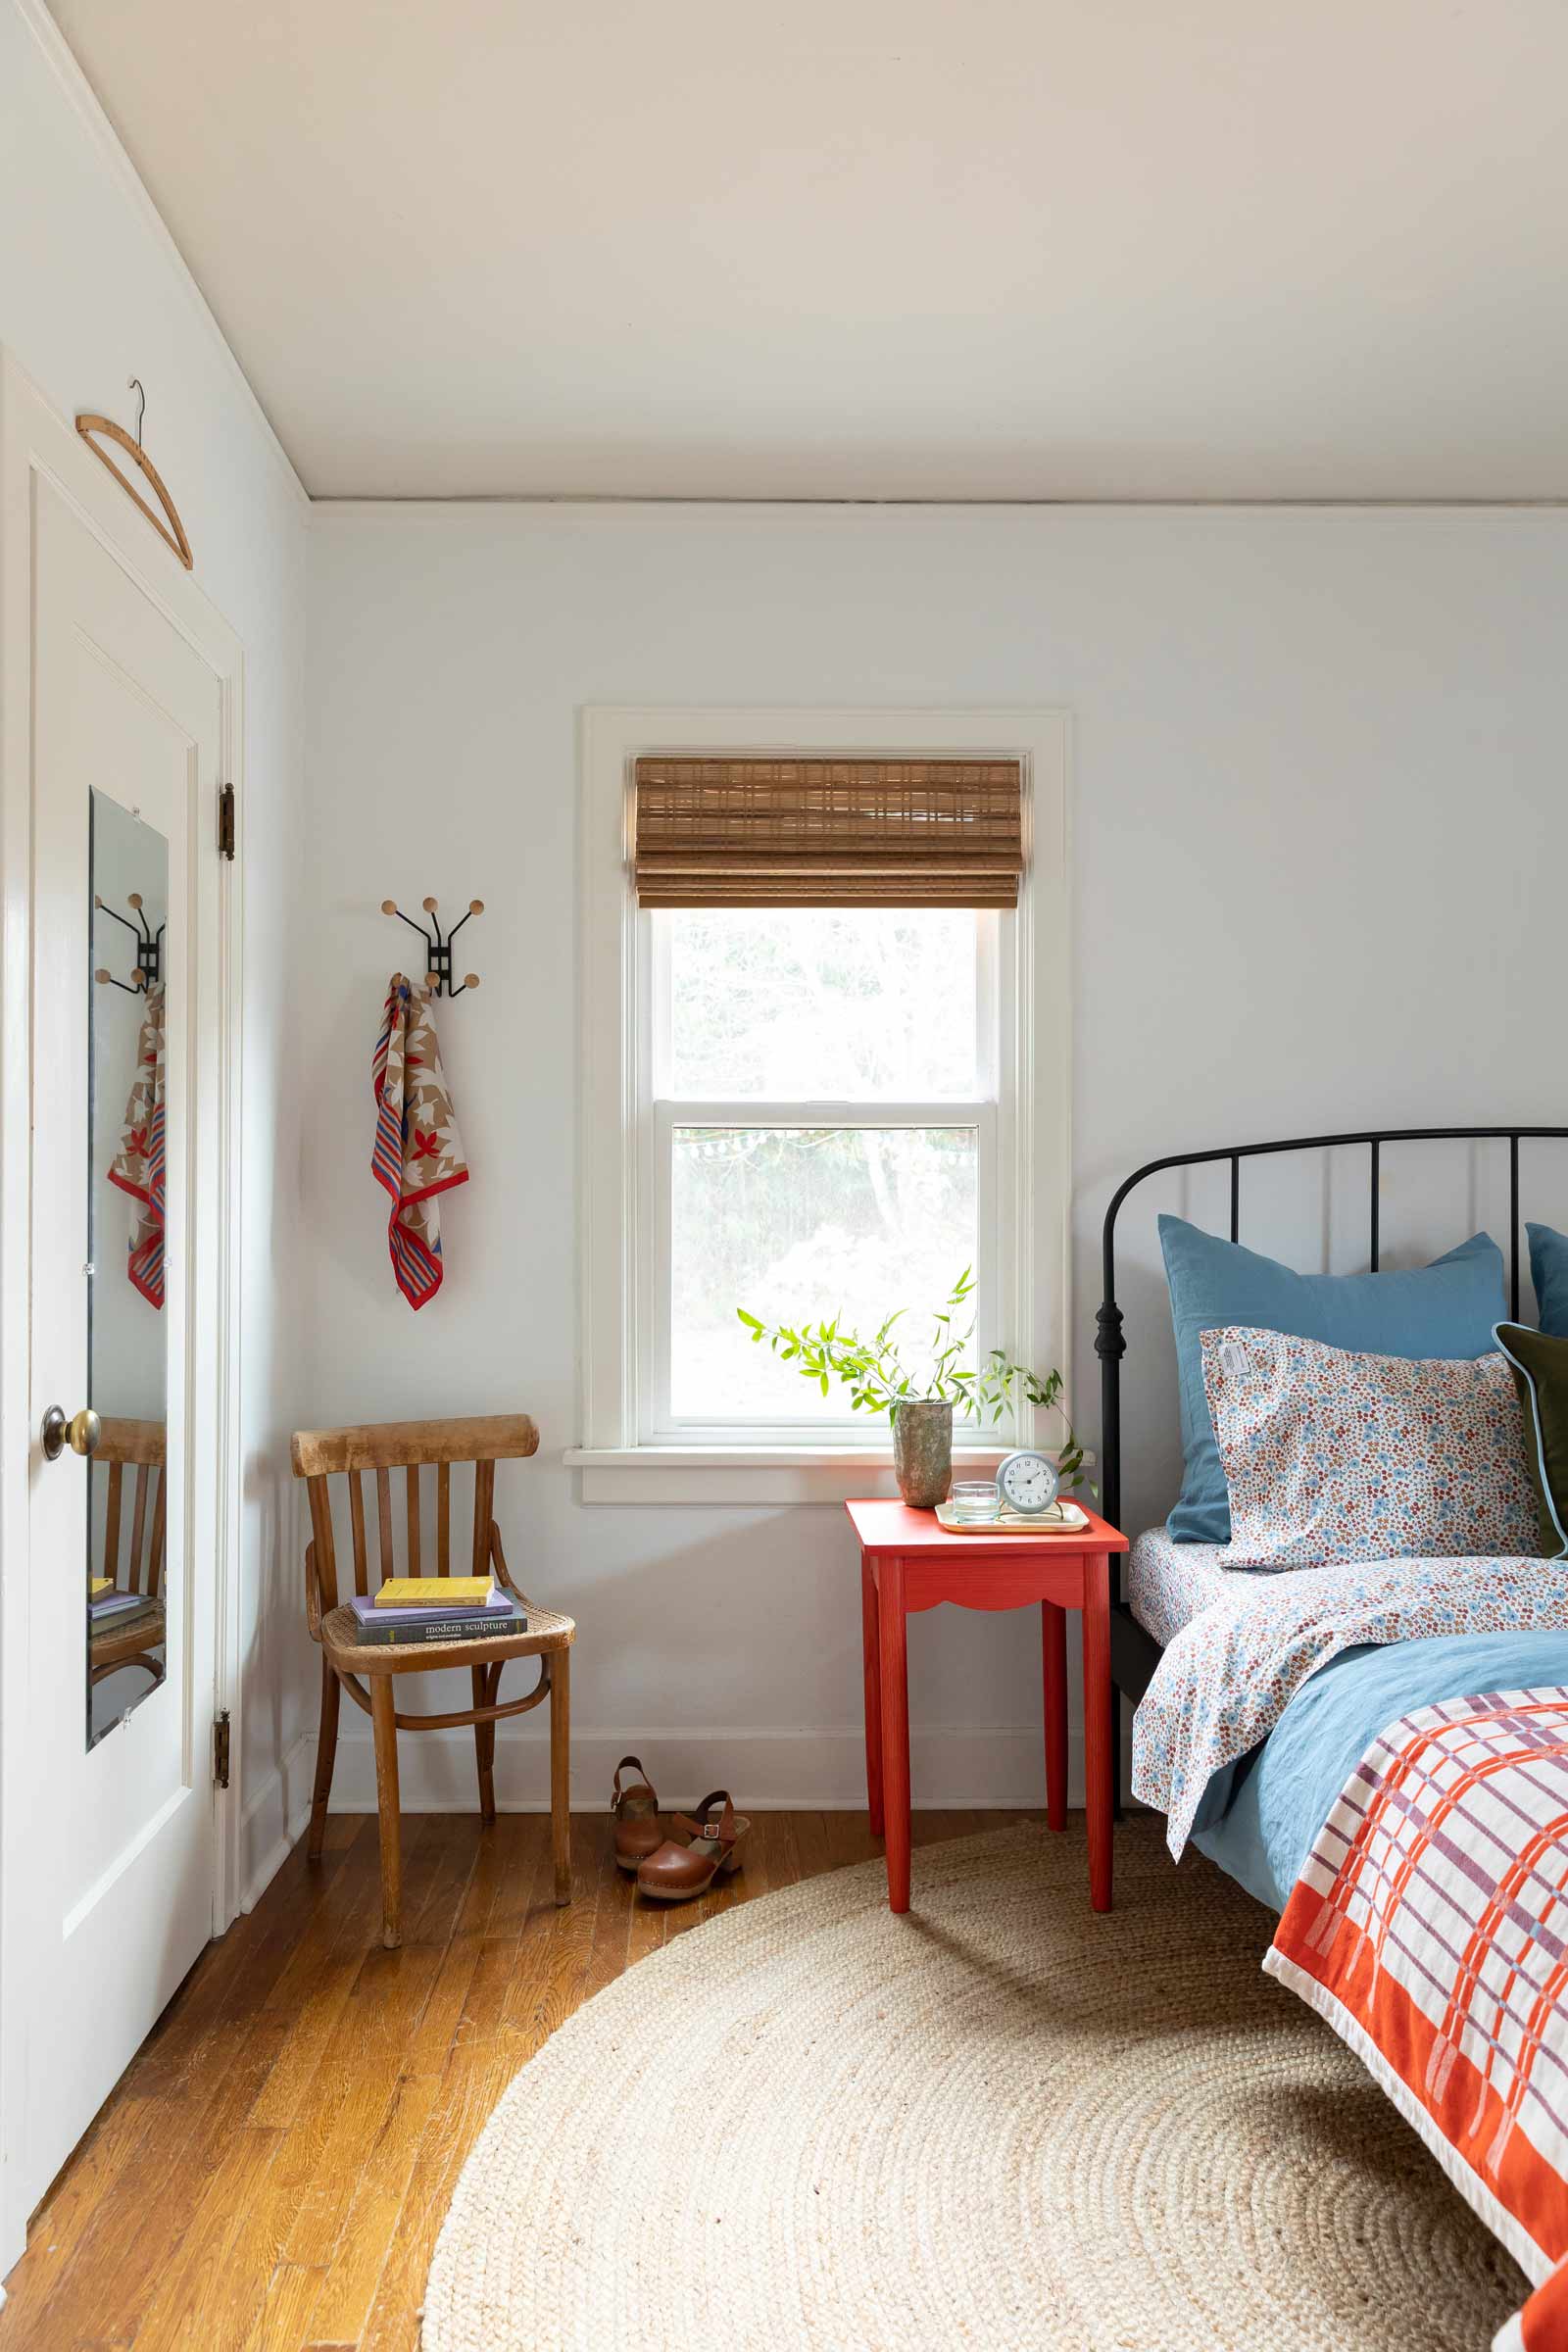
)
(768, 834)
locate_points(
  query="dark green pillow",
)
(1539, 1366)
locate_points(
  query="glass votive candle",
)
(975, 1500)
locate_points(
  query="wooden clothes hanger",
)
(168, 526)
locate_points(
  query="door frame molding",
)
(38, 444)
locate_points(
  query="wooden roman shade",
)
(828, 832)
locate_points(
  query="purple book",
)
(500, 1604)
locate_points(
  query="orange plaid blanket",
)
(1429, 1928)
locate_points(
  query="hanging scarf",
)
(418, 1152)
(138, 1167)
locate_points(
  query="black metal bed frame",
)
(1134, 1654)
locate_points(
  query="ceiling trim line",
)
(328, 507)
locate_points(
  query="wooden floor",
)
(272, 2168)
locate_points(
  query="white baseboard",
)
(767, 1771)
(275, 1819)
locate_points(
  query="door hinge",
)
(225, 821)
(221, 1750)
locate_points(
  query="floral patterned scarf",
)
(138, 1167)
(419, 1152)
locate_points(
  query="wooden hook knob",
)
(471, 979)
(96, 899)
(432, 980)
(476, 906)
(134, 899)
(102, 978)
(428, 905)
(389, 907)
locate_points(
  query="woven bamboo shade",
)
(828, 832)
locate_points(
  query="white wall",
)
(92, 292)
(1319, 834)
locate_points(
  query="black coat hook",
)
(149, 948)
(135, 384)
(438, 948)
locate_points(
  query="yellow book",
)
(98, 1586)
(433, 1593)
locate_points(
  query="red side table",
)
(908, 1562)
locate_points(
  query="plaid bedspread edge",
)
(1429, 1928)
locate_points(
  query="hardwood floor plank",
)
(201, 2295)
(354, 2092)
(286, 2315)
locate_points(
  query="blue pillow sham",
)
(1548, 1271)
(1447, 1309)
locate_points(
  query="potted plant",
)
(920, 1404)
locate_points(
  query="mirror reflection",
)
(127, 1589)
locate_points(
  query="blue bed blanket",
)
(1257, 1817)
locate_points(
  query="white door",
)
(114, 1846)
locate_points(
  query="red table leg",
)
(1099, 1774)
(895, 1678)
(1054, 1652)
(871, 1660)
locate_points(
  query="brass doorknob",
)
(80, 1432)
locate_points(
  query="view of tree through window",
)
(790, 1007)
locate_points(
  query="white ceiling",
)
(872, 248)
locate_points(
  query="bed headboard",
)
(1110, 1344)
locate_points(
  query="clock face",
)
(1028, 1482)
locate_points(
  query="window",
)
(805, 1109)
(821, 1134)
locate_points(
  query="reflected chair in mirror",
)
(134, 1561)
(329, 1459)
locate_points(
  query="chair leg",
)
(325, 1757)
(486, 1686)
(561, 1770)
(383, 1716)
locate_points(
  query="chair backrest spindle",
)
(410, 1478)
(484, 1503)
(383, 1518)
(138, 1528)
(361, 1565)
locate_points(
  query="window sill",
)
(749, 1474)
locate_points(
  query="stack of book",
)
(112, 1613)
(437, 1608)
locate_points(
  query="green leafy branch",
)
(879, 1380)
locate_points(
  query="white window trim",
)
(1033, 1163)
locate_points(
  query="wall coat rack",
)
(438, 946)
(149, 949)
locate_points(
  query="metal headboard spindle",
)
(1133, 1651)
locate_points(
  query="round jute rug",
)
(999, 2122)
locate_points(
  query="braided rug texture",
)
(998, 2121)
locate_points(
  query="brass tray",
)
(1062, 1519)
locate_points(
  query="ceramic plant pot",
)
(922, 1452)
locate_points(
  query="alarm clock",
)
(1028, 1483)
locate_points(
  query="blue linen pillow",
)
(1447, 1309)
(1548, 1271)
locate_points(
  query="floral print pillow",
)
(1334, 1456)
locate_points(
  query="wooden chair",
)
(320, 1455)
(137, 1446)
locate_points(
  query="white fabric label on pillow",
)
(1330, 1455)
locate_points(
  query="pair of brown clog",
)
(673, 1868)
